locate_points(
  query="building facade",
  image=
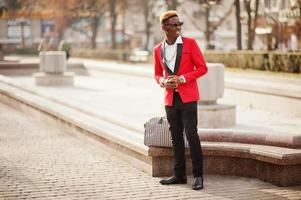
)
(277, 27)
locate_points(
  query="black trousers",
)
(183, 116)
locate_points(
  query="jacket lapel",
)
(178, 58)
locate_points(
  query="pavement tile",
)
(38, 161)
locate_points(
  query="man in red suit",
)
(178, 64)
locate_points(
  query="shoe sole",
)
(184, 182)
(197, 188)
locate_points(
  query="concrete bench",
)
(260, 137)
(276, 165)
(18, 66)
(11, 68)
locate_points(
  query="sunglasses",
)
(175, 24)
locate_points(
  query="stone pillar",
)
(211, 87)
(53, 70)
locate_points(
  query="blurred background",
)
(129, 29)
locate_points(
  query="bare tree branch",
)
(192, 20)
(227, 14)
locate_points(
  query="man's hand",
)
(171, 82)
(174, 79)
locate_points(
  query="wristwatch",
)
(181, 79)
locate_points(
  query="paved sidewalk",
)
(41, 162)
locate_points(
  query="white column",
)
(52, 61)
(211, 87)
(53, 70)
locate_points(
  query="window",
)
(267, 5)
(47, 26)
(14, 28)
(275, 5)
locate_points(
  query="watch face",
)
(181, 79)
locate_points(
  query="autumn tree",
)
(299, 7)
(207, 6)
(238, 24)
(3, 8)
(66, 12)
(70, 11)
(116, 7)
(113, 19)
(171, 4)
(251, 20)
(149, 19)
(31, 9)
(13, 4)
(92, 10)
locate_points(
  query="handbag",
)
(157, 133)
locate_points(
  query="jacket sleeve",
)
(198, 61)
(158, 68)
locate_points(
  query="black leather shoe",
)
(198, 183)
(174, 180)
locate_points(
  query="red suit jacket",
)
(189, 62)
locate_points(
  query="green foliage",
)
(259, 60)
(120, 55)
(285, 62)
(13, 4)
(27, 51)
